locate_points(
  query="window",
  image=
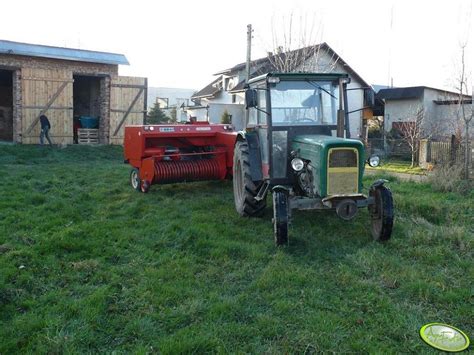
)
(304, 103)
(257, 116)
(252, 117)
(262, 105)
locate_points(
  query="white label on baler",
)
(166, 129)
(203, 128)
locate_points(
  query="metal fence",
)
(427, 152)
(397, 148)
(445, 151)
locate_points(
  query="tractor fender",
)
(240, 137)
(255, 159)
(379, 182)
(281, 188)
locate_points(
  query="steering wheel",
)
(305, 119)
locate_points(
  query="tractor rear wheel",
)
(135, 179)
(244, 188)
(280, 217)
(382, 213)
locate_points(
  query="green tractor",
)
(294, 147)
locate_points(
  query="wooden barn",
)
(80, 92)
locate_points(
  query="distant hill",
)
(174, 95)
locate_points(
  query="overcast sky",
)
(181, 43)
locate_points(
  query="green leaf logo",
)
(444, 337)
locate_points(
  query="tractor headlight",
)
(373, 161)
(297, 164)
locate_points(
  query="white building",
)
(440, 109)
(226, 92)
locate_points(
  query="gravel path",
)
(401, 176)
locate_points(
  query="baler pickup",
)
(161, 154)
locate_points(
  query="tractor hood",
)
(308, 146)
(326, 154)
(325, 141)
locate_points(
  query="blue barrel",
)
(89, 122)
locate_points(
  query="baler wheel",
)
(145, 187)
(135, 180)
(244, 188)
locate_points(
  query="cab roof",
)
(300, 76)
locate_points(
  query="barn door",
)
(48, 92)
(127, 105)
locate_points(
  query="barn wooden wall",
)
(127, 105)
(51, 89)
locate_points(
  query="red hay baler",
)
(161, 154)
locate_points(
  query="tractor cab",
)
(296, 146)
(283, 107)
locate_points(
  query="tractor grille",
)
(343, 171)
(343, 158)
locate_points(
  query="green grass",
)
(89, 265)
(398, 166)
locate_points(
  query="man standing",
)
(45, 127)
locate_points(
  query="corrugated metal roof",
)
(414, 92)
(80, 55)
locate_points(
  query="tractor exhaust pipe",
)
(341, 115)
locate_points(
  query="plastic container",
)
(89, 122)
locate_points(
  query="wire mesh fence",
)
(426, 151)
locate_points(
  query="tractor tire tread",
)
(247, 205)
(387, 213)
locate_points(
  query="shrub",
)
(448, 177)
(375, 132)
(226, 117)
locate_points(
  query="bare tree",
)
(411, 131)
(416, 126)
(462, 80)
(299, 50)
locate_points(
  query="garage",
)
(80, 91)
(6, 105)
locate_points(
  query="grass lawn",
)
(398, 166)
(89, 265)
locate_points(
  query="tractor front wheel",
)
(245, 190)
(280, 217)
(382, 213)
(135, 179)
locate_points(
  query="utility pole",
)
(249, 49)
(247, 67)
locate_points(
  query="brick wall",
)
(17, 122)
(104, 125)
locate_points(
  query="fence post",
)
(423, 153)
(453, 149)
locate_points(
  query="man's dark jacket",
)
(45, 122)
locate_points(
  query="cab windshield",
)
(304, 103)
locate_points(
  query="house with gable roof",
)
(226, 92)
(441, 109)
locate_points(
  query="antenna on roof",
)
(249, 49)
(390, 79)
